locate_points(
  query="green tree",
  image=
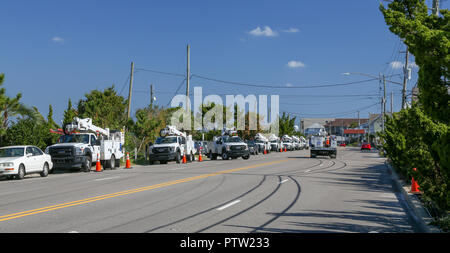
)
(105, 108)
(69, 113)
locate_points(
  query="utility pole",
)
(384, 101)
(405, 79)
(151, 95)
(188, 75)
(435, 7)
(131, 87)
(392, 102)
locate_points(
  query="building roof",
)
(346, 122)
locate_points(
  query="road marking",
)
(228, 205)
(107, 178)
(127, 192)
(284, 181)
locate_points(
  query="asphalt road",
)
(279, 192)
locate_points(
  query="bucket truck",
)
(81, 142)
(228, 145)
(171, 146)
(275, 143)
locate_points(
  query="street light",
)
(382, 78)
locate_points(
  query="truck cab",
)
(171, 146)
(228, 146)
(77, 150)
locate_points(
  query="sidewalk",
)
(418, 214)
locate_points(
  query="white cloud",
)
(57, 39)
(400, 65)
(266, 32)
(396, 65)
(292, 30)
(295, 64)
(289, 85)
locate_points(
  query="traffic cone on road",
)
(128, 165)
(98, 166)
(184, 157)
(285, 149)
(200, 155)
(265, 152)
(414, 185)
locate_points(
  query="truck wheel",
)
(246, 157)
(44, 172)
(178, 157)
(87, 164)
(117, 163)
(225, 156)
(111, 164)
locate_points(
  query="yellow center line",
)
(126, 192)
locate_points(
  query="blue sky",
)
(51, 51)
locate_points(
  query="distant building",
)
(338, 126)
(306, 123)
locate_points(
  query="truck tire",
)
(86, 167)
(225, 156)
(246, 157)
(117, 163)
(111, 163)
(178, 157)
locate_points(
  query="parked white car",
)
(18, 161)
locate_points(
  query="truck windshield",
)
(274, 141)
(11, 152)
(166, 140)
(74, 138)
(232, 139)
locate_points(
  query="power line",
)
(160, 72)
(330, 114)
(179, 87)
(282, 87)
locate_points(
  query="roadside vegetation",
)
(419, 137)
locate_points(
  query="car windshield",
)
(74, 138)
(232, 139)
(274, 141)
(11, 152)
(259, 141)
(251, 143)
(166, 140)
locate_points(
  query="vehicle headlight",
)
(227, 148)
(78, 151)
(246, 147)
(7, 164)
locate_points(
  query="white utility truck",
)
(296, 142)
(228, 145)
(287, 142)
(171, 146)
(303, 143)
(262, 142)
(82, 142)
(275, 143)
(323, 145)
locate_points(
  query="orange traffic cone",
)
(184, 157)
(414, 185)
(265, 152)
(285, 149)
(98, 166)
(200, 155)
(128, 165)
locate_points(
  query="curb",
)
(416, 211)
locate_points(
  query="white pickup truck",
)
(287, 142)
(323, 145)
(171, 146)
(228, 145)
(262, 142)
(78, 147)
(275, 143)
